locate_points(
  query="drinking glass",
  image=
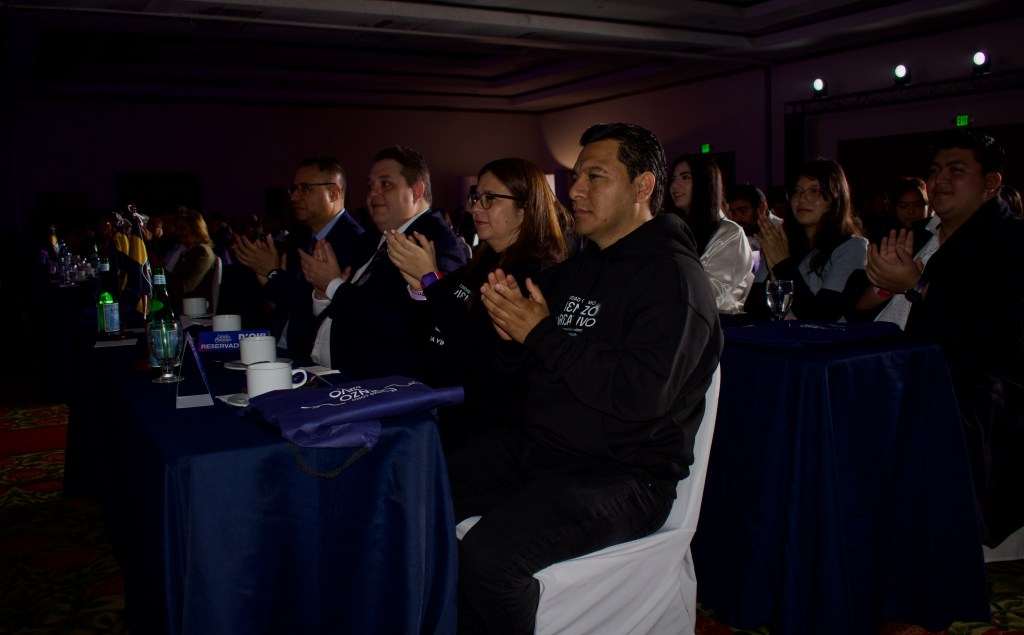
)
(165, 340)
(779, 297)
(66, 264)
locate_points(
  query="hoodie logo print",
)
(578, 314)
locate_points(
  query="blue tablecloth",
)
(839, 491)
(219, 529)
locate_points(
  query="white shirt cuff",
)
(320, 305)
(332, 287)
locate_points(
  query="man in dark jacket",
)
(318, 200)
(618, 344)
(970, 299)
(372, 332)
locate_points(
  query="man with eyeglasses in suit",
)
(318, 200)
(370, 333)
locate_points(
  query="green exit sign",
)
(705, 148)
(963, 120)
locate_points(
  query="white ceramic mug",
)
(227, 322)
(266, 376)
(195, 306)
(257, 348)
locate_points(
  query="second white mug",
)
(227, 322)
(257, 348)
(195, 306)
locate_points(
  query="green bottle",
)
(108, 309)
(161, 314)
(160, 309)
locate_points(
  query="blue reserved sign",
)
(210, 341)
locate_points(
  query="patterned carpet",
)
(58, 574)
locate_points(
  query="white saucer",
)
(198, 317)
(239, 400)
(238, 365)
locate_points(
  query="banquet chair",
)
(1012, 548)
(645, 586)
(218, 274)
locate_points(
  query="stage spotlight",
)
(982, 63)
(902, 75)
(820, 87)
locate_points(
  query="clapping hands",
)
(774, 243)
(413, 255)
(513, 315)
(322, 267)
(891, 265)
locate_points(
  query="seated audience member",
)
(1013, 200)
(905, 204)
(522, 226)
(746, 203)
(910, 200)
(153, 229)
(618, 346)
(193, 274)
(372, 332)
(917, 234)
(696, 191)
(162, 228)
(979, 241)
(223, 237)
(176, 246)
(318, 199)
(99, 241)
(819, 248)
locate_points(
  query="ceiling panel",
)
(525, 56)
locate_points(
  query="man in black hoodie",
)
(618, 346)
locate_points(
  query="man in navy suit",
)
(371, 333)
(318, 200)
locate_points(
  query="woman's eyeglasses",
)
(303, 188)
(486, 199)
(919, 206)
(811, 192)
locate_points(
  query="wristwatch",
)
(916, 294)
(270, 275)
(429, 279)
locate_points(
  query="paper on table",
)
(187, 321)
(193, 401)
(112, 343)
(320, 370)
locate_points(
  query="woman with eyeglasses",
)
(820, 248)
(523, 230)
(695, 188)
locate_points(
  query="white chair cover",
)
(1010, 549)
(218, 274)
(645, 586)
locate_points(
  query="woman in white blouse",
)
(696, 191)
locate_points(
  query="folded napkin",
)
(347, 415)
(187, 321)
